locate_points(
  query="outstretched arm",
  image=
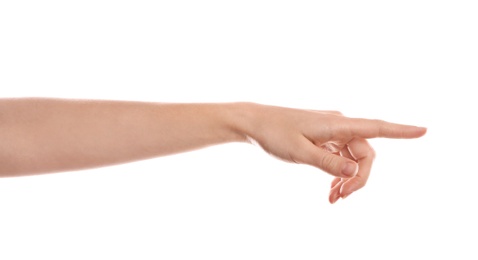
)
(49, 135)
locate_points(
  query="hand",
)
(324, 139)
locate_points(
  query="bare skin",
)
(52, 135)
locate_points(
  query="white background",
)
(412, 62)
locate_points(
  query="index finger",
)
(372, 128)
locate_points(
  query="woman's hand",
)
(39, 135)
(324, 139)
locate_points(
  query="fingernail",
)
(345, 196)
(421, 128)
(350, 169)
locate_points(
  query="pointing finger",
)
(366, 128)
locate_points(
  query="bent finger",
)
(364, 154)
(334, 193)
(326, 161)
(337, 183)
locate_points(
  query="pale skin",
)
(41, 135)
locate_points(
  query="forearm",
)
(50, 135)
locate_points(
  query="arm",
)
(51, 135)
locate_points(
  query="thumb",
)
(333, 164)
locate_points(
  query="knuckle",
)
(379, 126)
(359, 183)
(372, 153)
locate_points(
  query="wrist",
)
(240, 118)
